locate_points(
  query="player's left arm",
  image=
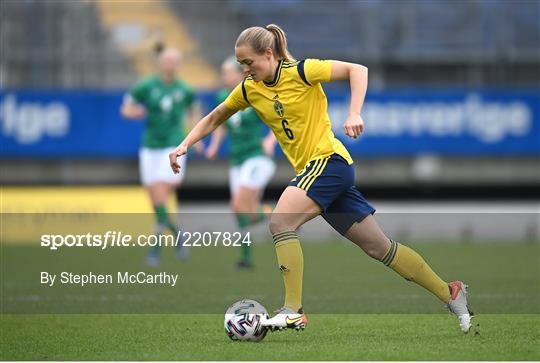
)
(358, 77)
(202, 129)
(133, 104)
(131, 110)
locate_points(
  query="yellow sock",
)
(291, 264)
(412, 267)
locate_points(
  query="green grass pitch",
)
(328, 337)
(357, 309)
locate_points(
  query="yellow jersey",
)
(295, 108)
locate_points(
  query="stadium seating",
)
(58, 44)
(72, 44)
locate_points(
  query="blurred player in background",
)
(288, 96)
(250, 156)
(164, 101)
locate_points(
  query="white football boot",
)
(458, 305)
(286, 318)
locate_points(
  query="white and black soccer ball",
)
(243, 321)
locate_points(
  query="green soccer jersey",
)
(246, 132)
(166, 106)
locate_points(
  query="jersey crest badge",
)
(278, 107)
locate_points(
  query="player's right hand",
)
(173, 157)
(139, 112)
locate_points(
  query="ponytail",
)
(272, 36)
(280, 43)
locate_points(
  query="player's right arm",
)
(358, 77)
(132, 107)
(132, 110)
(315, 71)
(202, 129)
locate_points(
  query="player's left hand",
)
(354, 126)
(173, 156)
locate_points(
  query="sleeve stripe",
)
(301, 72)
(289, 64)
(244, 92)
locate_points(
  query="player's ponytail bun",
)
(259, 38)
(280, 42)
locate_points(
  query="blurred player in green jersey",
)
(250, 155)
(163, 100)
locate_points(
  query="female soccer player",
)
(250, 153)
(288, 96)
(163, 100)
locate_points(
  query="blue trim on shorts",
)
(329, 182)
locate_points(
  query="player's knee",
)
(273, 225)
(279, 224)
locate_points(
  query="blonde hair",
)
(271, 36)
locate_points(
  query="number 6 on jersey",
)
(288, 132)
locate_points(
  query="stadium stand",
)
(58, 44)
(473, 43)
(136, 29)
(72, 43)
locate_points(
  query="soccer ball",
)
(243, 321)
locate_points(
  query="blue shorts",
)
(330, 183)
